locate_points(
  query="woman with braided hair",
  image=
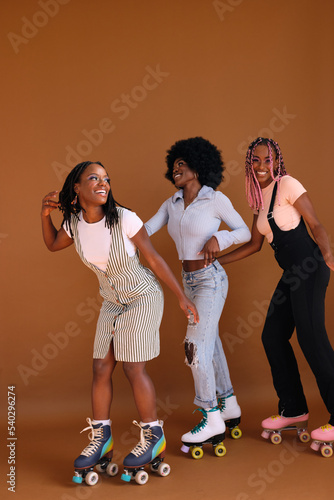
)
(281, 205)
(107, 237)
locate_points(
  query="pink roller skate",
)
(323, 439)
(273, 426)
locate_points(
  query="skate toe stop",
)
(77, 479)
(184, 448)
(126, 477)
(315, 446)
(265, 434)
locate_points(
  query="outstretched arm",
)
(252, 246)
(54, 240)
(158, 220)
(163, 271)
(304, 206)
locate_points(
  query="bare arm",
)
(54, 240)
(252, 246)
(304, 206)
(162, 270)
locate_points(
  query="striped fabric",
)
(132, 309)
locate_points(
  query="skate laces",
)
(94, 436)
(326, 427)
(222, 404)
(202, 423)
(146, 436)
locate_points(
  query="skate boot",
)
(273, 426)
(323, 439)
(230, 412)
(99, 452)
(210, 430)
(150, 450)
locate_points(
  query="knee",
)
(133, 370)
(102, 368)
(190, 349)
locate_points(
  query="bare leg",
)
(143, 390)
(102, 389)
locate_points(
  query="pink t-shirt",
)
(285, 215)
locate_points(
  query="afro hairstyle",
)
(201, 156)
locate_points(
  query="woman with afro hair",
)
(281, 205)
(107, 238)
(193, 216)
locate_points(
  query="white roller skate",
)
(210, 430)
(149, 451)
(273, 426)
(98, 453)
(230, 412)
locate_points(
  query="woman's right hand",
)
(189, 308)
(49, 203)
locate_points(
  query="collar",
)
(205, 192)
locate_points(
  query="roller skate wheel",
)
(265, 434)
(164, 470)
(276, 438)
(184, 448)
(236, 433)
(196, 452)
(141, 477)
(112, 469)
(77, 478)
(326, 450)
(220, 450)
(315, 445)
(304, 436)
(99, 468)
(91, 478)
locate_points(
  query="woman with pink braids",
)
(281, 205)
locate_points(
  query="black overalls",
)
(298, 301)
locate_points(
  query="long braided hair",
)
(253, 189)
(69, 202)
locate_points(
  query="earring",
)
(75, 201)
(196, 175)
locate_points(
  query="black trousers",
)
(298, 302)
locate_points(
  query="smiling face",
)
(93, 187)
(262, 164)
(183, 174)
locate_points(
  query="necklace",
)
(186, 204)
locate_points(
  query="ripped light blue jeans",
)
(207, 288)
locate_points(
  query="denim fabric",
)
(207, 288)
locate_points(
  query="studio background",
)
(120, 82)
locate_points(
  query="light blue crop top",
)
(193, 226)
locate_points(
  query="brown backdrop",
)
(120, 82)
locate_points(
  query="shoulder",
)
(220, 198)
(74, 221)
(289, 184)
(131, 223)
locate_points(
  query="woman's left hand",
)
(186, 306)
(210, 251)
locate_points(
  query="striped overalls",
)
(132, 308)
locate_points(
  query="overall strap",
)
(271, 207)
